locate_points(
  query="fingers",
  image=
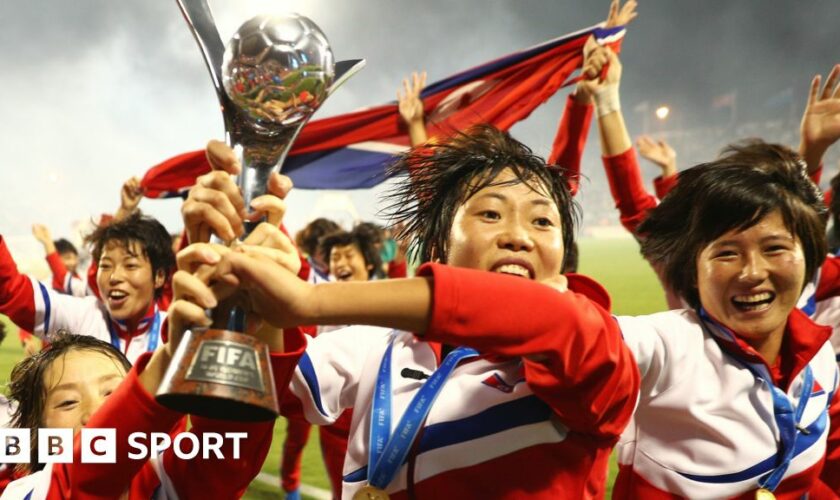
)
(181, 315)
(214, 203)
(613, 14)
(290, 261)
(815, 88)
(279, 185)
(831, 88)
(268, 235)
(270, 241)
(221, 157)
(419, 81)
(189, 287)
(270, 206)
(245, 265)
(628, 12)
(644, 144)
(198, 254)
(406, 88)
(830, 83)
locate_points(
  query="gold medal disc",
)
(764, 494)
(369, 492)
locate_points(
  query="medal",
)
(760, 494)
(369, 492)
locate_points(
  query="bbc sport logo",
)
(99, 446)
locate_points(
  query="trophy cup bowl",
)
(277, 71)
(274, 74)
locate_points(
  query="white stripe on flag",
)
(379, 147)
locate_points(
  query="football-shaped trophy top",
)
(277, 71)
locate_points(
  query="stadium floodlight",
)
(662, 112)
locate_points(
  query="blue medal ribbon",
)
(387, 451)
(788, 417)
(154, 333)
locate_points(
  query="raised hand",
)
(215, 204)
(658, 152)
(130, 195)
(410, 104)
(621, 15)
(820, 126)
(411, 108)
(42, 234)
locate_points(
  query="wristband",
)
(606, 99)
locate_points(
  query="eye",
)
(490, 214)
(67, 403)
(725, 254)
(776, 249)
(543, 222)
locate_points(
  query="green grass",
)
(616, 264)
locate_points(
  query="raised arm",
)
(571, 355)
(820, 127)
(619, 157)
(130, 195)
(661, 154)
(573, 129)
(57, 267)
(411, 108)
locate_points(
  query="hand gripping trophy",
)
(273, 75)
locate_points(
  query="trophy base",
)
(220, 374)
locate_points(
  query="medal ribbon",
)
(787, 416)
(154, 333)
(388, 450)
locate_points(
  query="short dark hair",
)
(374, 231)
(362, 239)
(308, 238)
(745, 184)
(63, 246)
(26, 387)
(444, 175)
(150, 234)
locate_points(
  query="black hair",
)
(146, 231)
(570, 264)
(745, 184)
(307, 239)
(63, 246)
(444, 175)
(374, 231)
(362, 239)
(27, 390)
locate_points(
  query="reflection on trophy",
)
(273, 75)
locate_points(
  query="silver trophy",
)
(274, 74)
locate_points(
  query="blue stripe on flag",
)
(308, 371)
(510, 60)
(342, 168)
